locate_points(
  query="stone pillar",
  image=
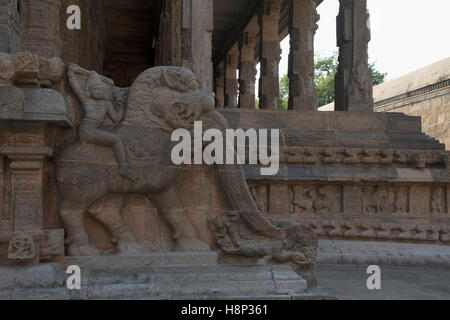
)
(353, 85)
(231, 82)
(270, 51)
(247, 70)
(197, 29)
(40, 26)
(220, 85)
(26, 201)
(302, 28)
(9, 26)
(70, 38)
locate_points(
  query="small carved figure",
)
(387, 157)
(351, 157)
(259, 193)
(21, 247)
(436, 201)
(400, 201)
(323, 202)
(330, 157)
(334, 229)
(309, 156)
(367, 230)
(7, 70)
(303, 198)
(370, 157)
(401, 157)
(374, 199)
(418, 160)
(97, 105)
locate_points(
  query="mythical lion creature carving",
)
(161, 100)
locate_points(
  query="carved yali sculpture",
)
(160, 100)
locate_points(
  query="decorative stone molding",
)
(414, 93)
(359, 157)
(363, 229)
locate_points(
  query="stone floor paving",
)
(397, 283)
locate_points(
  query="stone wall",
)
(432, 104)
(424, 93)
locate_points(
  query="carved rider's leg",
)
(108, 213)
(170, 209)
(90, 133)
(77, 238)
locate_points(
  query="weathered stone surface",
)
(247, 70)
(353, 87)
(83, 155)
(302, 27)
(231, 82)
(270, 51)
(40, 22)
(214, 281)
(9, 26)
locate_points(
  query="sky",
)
(406, 34)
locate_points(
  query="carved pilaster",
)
(231, 82)
(302, 28)
(40, 27)
(247, 70)
(353, 85)
(270, 52)
(25, 220)
(26, 169)
(197, 31)
(220, 85)
(9, 26)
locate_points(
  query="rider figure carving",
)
(97, 105)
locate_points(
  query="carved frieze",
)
(364, 157)
(374, 200)
(374, 229)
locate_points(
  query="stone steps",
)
(157, 276)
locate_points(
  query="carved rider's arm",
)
(116, 115)
(75, 84)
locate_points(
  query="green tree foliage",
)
(325, 72)
(284, 92)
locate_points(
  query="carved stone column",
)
(70, 39)
(220, 85)
(26, 217)
(9, 26)
(270, 51)
(40, 26)
(247, 70)
(353, 85)
(302, 28)
(197, 31)
(231, 82)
